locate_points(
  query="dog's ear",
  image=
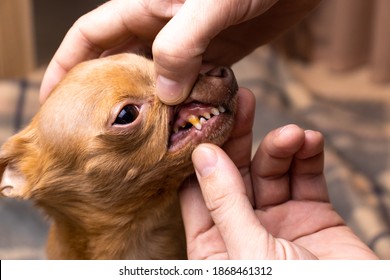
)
(16, 155)
(12, 182)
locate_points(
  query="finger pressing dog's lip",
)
(207, 113)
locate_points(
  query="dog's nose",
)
(224, 76)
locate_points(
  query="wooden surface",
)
(16, 38)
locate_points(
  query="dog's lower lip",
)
(207, 120)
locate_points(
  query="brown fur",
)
(109, 190)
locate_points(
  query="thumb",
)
(179, 47)
(225, 197)
(178, 50)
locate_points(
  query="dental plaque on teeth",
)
(198, 121)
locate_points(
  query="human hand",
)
(183, 35)
(273, 207)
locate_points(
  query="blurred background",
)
(330, 73)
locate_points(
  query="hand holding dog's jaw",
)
(289, 215)
(105, 153)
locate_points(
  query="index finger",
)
(110, 25)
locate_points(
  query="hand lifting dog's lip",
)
(206, 111)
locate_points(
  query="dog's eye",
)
(127, 115)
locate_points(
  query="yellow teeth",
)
(198, 122)
(195, 122)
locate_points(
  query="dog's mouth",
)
(206, 116)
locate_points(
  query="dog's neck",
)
(148, 237)
(136, 220)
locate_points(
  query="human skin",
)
(274, 206)
(181, 35)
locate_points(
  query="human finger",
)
(225, 197)
(196, 217)
(237, 41)
(271, 165)
(110, 25)
(202, 236)
(239, 145)
(307, 177)
(180, 45)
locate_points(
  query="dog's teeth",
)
(202, 120)
(221, 109)
(195, 122)
(214, 111)
(207, 115)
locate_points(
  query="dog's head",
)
(104, 142)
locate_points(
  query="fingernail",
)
(170, 92)
(205, 160)
(286, 129)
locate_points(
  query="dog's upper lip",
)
(227, 80)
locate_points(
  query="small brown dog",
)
(104, 158)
